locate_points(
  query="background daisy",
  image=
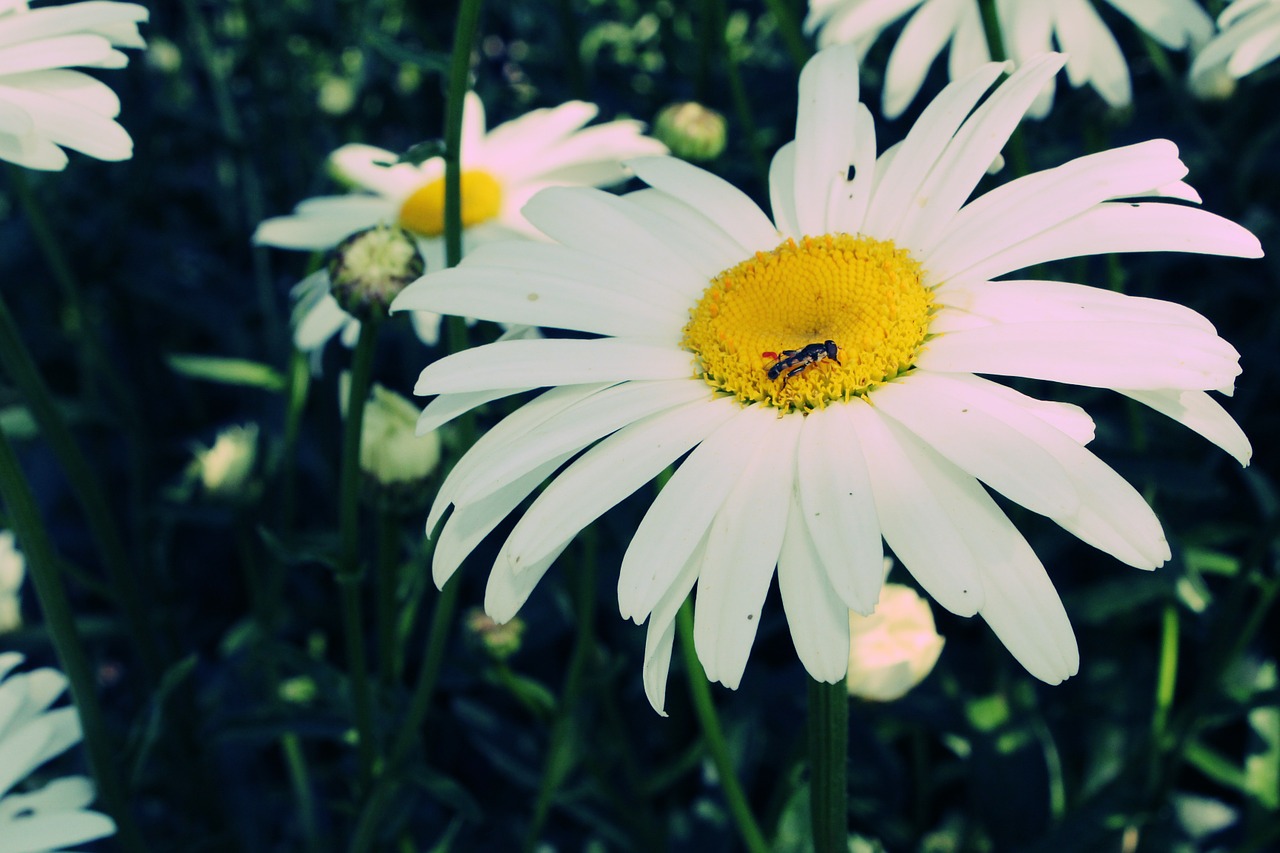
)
(699, 296)
(43, 103)
(501, 170)
(55, 815)
(1028, 28)
(1248, 38)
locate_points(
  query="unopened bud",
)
(368, 269)
(499, 641)
(225, 469)
(12, 570)
(691, 131)
(893, 649)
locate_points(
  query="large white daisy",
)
(1029, 28)
(1249, 38)
(695, 293)
(56, 815)
(501, 170)
(43, 103)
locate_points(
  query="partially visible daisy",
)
(1249, 38)
(43, 103)
(1028, 27)
(820, 371)
(501, 170)
(56, 815)
(13, 569)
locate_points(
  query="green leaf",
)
(1262, 766)
(228, 371)
(1215, 765)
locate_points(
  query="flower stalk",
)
(828, 757)
(700, 690)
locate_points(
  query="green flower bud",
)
(368, 269)
(225, 469)
(691, 131)
(394, 459)
(499, 641)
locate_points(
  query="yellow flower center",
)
(865, 296)
(423, 211)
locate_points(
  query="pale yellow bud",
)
(691, 131)
(12, 570)
(894, 648)
(225, 469)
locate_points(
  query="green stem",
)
(18, 364)
(705, 708)
(295, 761)
(386, 581)
(1166, 681)
(561, 750)
(792, 37)
(43, 567)
(828, 757)
(464, 36)
(349, 569)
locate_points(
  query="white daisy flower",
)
(1029, 28)
(13, 569)
(56, 815)
(885, 282)
(501, 170)
(1249, 38)
(44, 104)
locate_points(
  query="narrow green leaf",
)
(228, 371)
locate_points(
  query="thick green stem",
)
(705, 708)
(386, 582)
(349, 569)
(464, 37)
(21, 368)
(828, 757)
(43, 567)
(300, 782)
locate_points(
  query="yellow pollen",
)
(865, 295)
(423, 211)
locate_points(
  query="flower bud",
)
(395, 460)
(894, 648)
(225, 469)
(691, 131)
(368, 269)
(12, 570)
(499, 641)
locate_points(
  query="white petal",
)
(39, 833)
(1096, 354)
(712, 196)
(55, 52)
(91, 17)
(576, 427)
(591, 157)
(661, 633)
(468, 524)
(71, 125)
(609, 472)
(627, 235)
(1064, 417)
(742, 551)
(782, 191)
(1256, 51)
(721, 249)
(1198, 411)
(376, 170)
(1131, 227)
(681, 513)
(507, 590)
(446, 407)
(824, 134)
(816, 615)
(1063, 302)
(921, 41)
(915, 158)
(497, 439)
(1041, 201)
(1093, 54)
(322, 223)
(972, 150)
(545, 285)
(1177, 24)
(839, 509)
(73, 86)
(536, 363)
(849, 202)
(917, 499)
(982, 442)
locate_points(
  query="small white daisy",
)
(501, 170)
(1249, 38)
(883, 282)
(43, 103)
(1029, 28)
(56, 815)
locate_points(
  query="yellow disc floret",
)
(866, 296)
(423, 211)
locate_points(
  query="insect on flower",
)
(796, 361)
